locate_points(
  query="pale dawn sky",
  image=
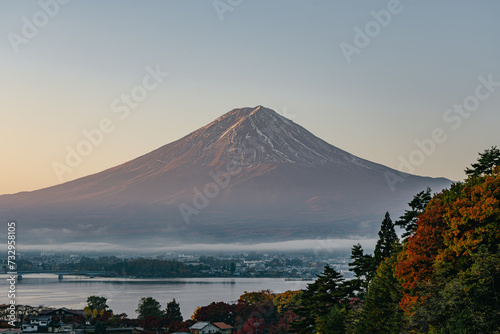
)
(388, 81)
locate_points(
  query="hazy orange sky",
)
(367, 82)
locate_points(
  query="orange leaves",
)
(455, 224)
(474, 219)
(407, 303)
(415, 265)
(423, 247)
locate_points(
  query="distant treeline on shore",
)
(138, 267)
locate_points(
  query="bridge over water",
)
(62, 273)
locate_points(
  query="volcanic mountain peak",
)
(239, 121)
(256, 134)
(291, 184)
(246, 112)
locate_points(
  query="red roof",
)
(222, 325)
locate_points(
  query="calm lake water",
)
(124, 293)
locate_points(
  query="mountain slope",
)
(249, 175)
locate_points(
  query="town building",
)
(206, 327)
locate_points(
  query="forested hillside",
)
(443, 277)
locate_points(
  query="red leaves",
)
(417, 259)
(455, 223)
(254, 325)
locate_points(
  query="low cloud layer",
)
(322, 246)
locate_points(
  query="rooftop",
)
(222, 325)
(200, 325)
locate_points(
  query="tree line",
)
(442, 277)
(136, 267)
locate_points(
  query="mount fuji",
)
(251, 175)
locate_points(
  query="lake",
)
(124, 293)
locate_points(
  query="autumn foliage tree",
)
(216, 312)
(264, 311)
(97, 309)
(415, 265)
(451, 262)
(253, 325)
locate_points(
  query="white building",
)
(203, 327)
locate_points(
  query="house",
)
(28, 328)
(224, 328)
(204, 327)
(45, 323)
(36, 323)
(41, 322)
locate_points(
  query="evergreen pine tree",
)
(318, 299)
(173, 311)
(408, 221)
(486, 163)
(382, 313)
(387, 238)
(361, 266)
